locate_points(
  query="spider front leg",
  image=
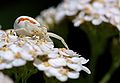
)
(26, 30)
(58, 37)
(22, 31)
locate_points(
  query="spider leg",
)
(28, 26)
(58, 37)
(0, 27)
(22, 31)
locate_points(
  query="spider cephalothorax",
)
(25, 25)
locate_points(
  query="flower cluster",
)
(95, 11)
(16, 50)
(4, 78)
(62, 64)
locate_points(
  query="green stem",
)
(107, 77)
(97, 47)
(17, 78)
(51, 80)
(98, 40)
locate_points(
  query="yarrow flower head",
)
(62, 64)
(96, 12)
(59, 62)
(17, 49)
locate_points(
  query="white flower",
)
(43, 66)
(106, 11)
(7, 55)
(44, 47)
(47, 15)
(54, 72)
(47, 74)
(62, 64)
(12, 36)
(53, 55)
(73, 74)
(62, 78)
(18, 62)
(60, 15)
(75, 67)
(86, 69)
(59, 62)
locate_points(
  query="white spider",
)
(25, 25)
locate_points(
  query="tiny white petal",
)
(41, 67)
(75, 59)
(118, 27)
(15, 48)
(59, 16)
(88, 18)
(63, 53)
(26, 56)
(77, 23)
(2, 33)
(18, 62)
(86, 69)
(8, 66)
(104, 19)
(98, 5)
(73, 75)
(8, 55)
(115, 11)
(27, 47)
(117, 19)
(44, 48)
(13, 38)
(57, 62)
(47, 74)
(2, 66)
(2, 43)
(75, 67)
(71, 53)
(62, 78)
(54, 72)
(39, 51)
(83, 60)
(96, 21)
(52, 55)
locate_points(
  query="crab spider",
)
(25, 25)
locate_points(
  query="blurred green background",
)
(11, 9)
(100, 44)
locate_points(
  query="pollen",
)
(18, 55)
(1, 61)
(4, 48)
(46, 64)
(32, 53)
(63, 71)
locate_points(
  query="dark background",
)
(11, 9)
